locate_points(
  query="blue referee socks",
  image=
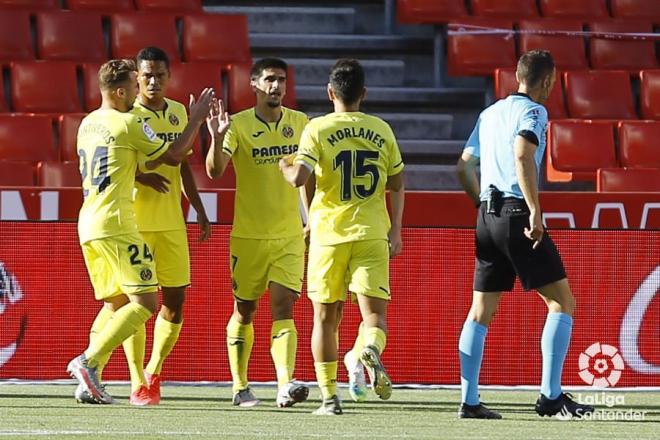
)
(471, 350)
(554, 345)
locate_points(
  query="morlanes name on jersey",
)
(356, 132)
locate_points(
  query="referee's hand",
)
(535, 230)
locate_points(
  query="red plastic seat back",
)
(642, 9)
(505, 84)
(59, 36)
(68, 128)
(58, 174)
(581, 9)
(201, 41)
(577, 145)
(170, 5)
(45, 87)
(187, 78)
(628, 180)
(599, 94)
(102, 6)
(510, 9)
(629, 54)
(470, 51)
(567, 51)
(639, 144)
(15, 36)
(130, 32)
(14, 173)
(30, 5)
(649, 95)
(429, 11)
(26, 138)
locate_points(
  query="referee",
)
(509, 141)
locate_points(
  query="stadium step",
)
(299, 20)
(424, 177)
(449, 149)
(315, 71)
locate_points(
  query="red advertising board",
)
(47, 307)
(561, 209)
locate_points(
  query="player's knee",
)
(244, 311)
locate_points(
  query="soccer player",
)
(119, 261)
(266, 246)
(354, 157)
(509, 142)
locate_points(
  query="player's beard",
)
(274, 104)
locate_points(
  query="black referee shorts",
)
(503, 251)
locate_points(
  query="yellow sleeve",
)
(309, 151)
(142, 137)
(396, 162)
(230, 143)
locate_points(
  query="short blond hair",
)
(114, 73)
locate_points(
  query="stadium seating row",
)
(434, 11)
(66, 174)
(578, 148)
(628, 180)
(106, 5)
(53, 86)
(473, 50)
(581, 94)
(204, 37)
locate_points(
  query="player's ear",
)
(363, 95)
(331, 93)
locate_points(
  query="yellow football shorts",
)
(122, 264)
(255, 263)
(362, 267)
(170, 251)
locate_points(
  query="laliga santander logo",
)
(601, 365)
(12, 315)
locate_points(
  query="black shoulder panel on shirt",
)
(530, 136)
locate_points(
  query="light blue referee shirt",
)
(493, 136)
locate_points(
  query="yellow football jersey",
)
(108, 145)
(266, 206)
(352, 155)
(157, 211)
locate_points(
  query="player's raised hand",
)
(200, 107)
(218, 120)
(535, 230)
(155, 181)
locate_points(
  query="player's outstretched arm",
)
(467, 175)
(397, 198)
(218, 124)
(178, 150)
(294, 173)
(191, 193)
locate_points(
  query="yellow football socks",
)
(326, 375)
(124, 323)
(98, 325)
(240, 339)
(358, 346)
(134, 350)
(283, 346)
(375, 336)
(166, 334)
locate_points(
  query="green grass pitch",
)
(189, 412)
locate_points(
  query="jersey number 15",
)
(354, 164)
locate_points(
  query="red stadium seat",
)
(478, 53)
(429, 11)
(68, 127)
(567, 51)
(627, 54)
(578, 148)
(102, 6)
(201, 43)
(30, 5)
(643, 9)
(92, 94)
(599, 94)
(58, 174)
(16, 173)
(628, 180)
(638, 144)
(59, 36)
(131, 32)
(15, 36)
(241, 95)
(4, 106)
(581, 9)
(170, 5)
(505, 84)
(27, 138)
(44, 86)
(509, 9)
(187, 78)
(228, 179)
(650, 94)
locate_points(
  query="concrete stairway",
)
(430, 123)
